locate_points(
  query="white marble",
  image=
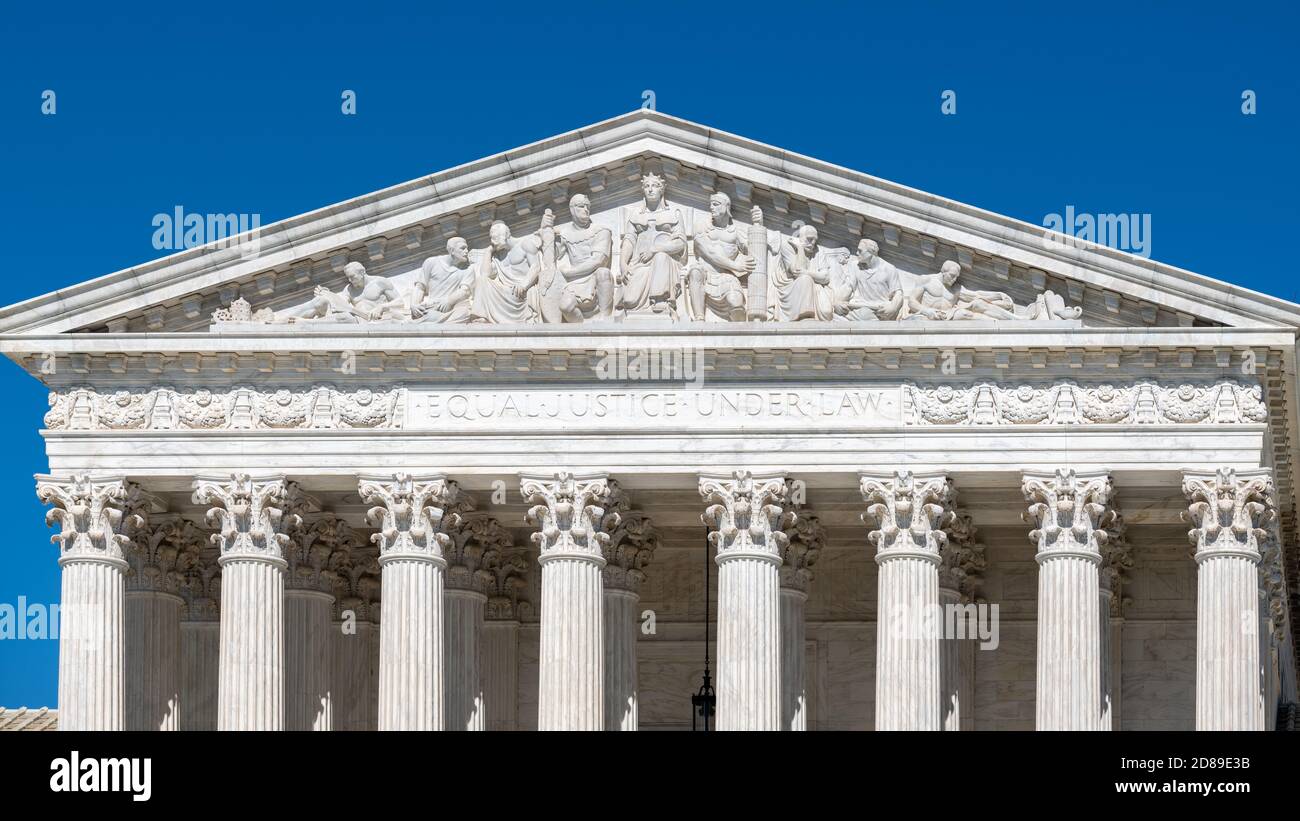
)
(1068, 512)
(463, 636)
(92, 617)
(567, 511)
(408, 512)
(746, 514)
(908, 512)
(1227, 512)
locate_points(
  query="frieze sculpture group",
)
(566, 274)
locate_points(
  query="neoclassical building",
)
(521, 444)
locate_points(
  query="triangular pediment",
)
(393, 231)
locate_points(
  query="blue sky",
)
(1108, 107)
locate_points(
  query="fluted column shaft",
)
(463, 635)
(1227, 652)
(794, 675)
(749, 641)
(572, 676)
(250, 692)
(153, 660)
(1069, 511)
(910, 512)
(952, 696)
(1105, 659)
(352, 690)
(411, 643)
(1228, 511)
(200, 654)
(92, 653)
(501, 674)
(309, 662)
(568, 511)
(1069, 644)
(621, 625)
(747, 513)
(907, 649)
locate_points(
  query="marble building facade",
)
(449, 456)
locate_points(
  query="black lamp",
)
(704, 702)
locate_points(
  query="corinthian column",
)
(746, 511)
(200, 643)
(505, 608)
(630, 548)
(805, 539)
(249, 512)
(356, 606)
(409, 516)
(568, 511)
(91, 623)
(960, 567)
(160, 556)
(910, 513)
(1068, 512)
(315, 551)
(476, 540)
(1229, 511)
(1116, 559)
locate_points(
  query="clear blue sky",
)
(1109, 107)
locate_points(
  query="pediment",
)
(393, 231)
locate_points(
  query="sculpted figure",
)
(1048, 306)
(932, 298)
(364, 299)
(871, 290)
(443, 291)
(581, 285)
(722, 259)
(807, 277)
(653, 252)
(510, 267)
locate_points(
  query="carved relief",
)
(651, 264)
(1067, 403)
(237, 409)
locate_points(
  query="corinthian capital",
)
(476, 544)
(319, 552)
(963, 561)
(90, 515)
(509, 570)
(748, 512)
(569, 512)
(1230, 511)
(909, 512)
(249, 513)
(201, 589)
(409, 512)
(1069, 512)
(632, 542)
(163, 555)
(805, 537)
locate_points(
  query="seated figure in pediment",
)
(505, 291)
(871, 289)
(808, 276)
(653, 252)
(583, 287)
(445, 287)
(365, 298)
(722, 259)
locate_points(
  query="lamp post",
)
(704, 701)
